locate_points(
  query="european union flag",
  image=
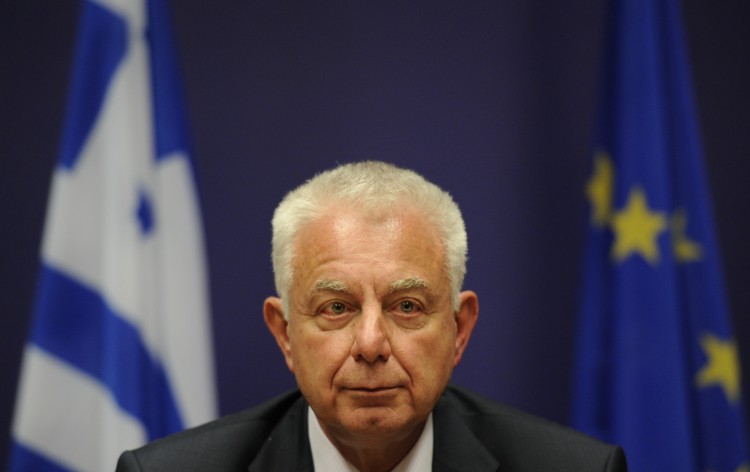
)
(119, 352)
(658, 368)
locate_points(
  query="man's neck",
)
(372, 455)
(378, 457)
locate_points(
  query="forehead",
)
(398, 243)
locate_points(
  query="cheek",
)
(317, 355)
(427, 355)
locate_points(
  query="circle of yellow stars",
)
(637, 228)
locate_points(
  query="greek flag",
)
(119, 352)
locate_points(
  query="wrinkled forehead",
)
(344, 231)
(403, 218)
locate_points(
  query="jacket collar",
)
(287, 447)
(456, 447)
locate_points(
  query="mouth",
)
(371, 390)
(372, 396)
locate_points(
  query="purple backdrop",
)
(494, 101)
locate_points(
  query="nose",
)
(371, 340)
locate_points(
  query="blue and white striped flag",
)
(119, 352)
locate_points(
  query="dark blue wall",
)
(494, 101)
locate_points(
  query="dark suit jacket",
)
(471, 434)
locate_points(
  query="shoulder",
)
(520, 441)
(228, 443)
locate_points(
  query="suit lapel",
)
(456, 447)
(288, 447)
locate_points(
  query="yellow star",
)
(599, 189)
(637, 229)
(722, 368)
(685, 249)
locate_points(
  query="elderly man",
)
(369, 260)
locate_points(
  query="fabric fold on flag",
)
(657, 364)
(119, 352)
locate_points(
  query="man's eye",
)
(335, 308)
(407, 306)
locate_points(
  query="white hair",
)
(370, 185)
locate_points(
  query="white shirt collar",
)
(326, 457)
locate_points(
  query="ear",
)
(466, 319)
(273, 313)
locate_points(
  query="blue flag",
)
(657, 368)
(119, 352)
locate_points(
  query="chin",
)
(378, 423)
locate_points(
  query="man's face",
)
(372, 338)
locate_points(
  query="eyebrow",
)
(331, 286)
(409, 283)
